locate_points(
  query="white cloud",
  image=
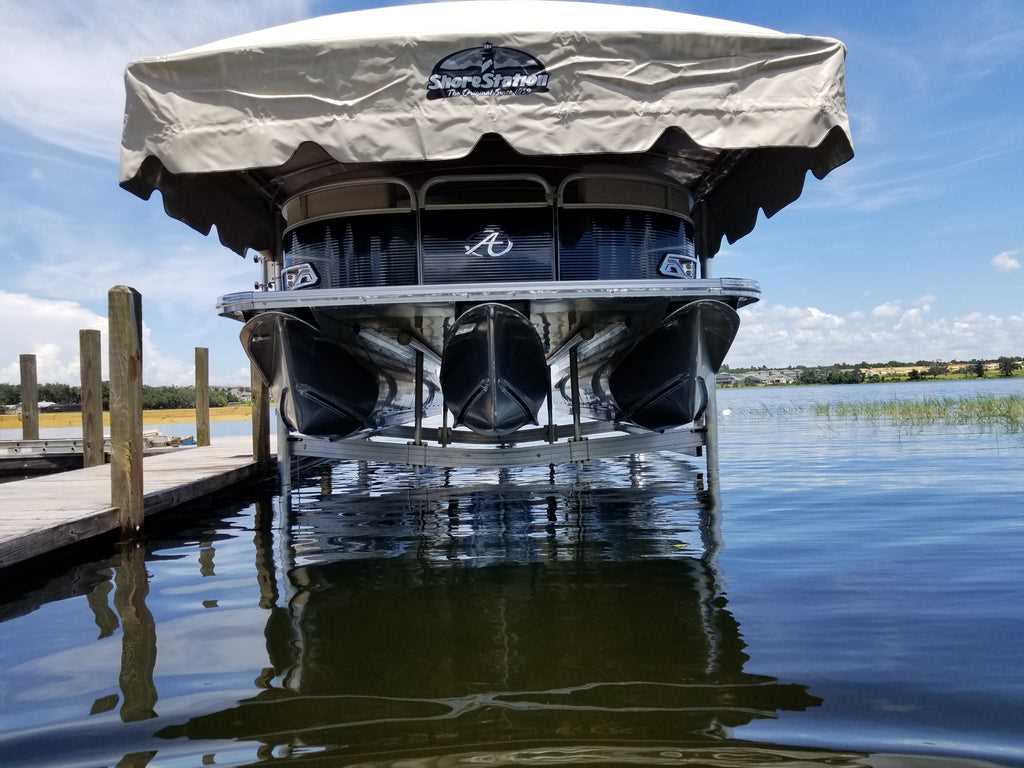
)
(49, 329)
(1006, 261)
(63, 61)
(782, 335)
(888, 309)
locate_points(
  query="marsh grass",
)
(1006, 411)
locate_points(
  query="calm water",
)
(859, 594)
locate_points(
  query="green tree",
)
(811, 376)
(978, 368)
(1007, 365)
(10, 394)
(851, 376)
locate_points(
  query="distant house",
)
(43, 405)
(771, 376)
(240, 394)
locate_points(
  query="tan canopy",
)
(738, 113)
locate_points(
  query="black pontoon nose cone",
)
(493, 371)
(323, 390)
(661, 383)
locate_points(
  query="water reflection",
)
(586, 631)
(138, 637)
(440, 616)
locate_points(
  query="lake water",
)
(856, 599)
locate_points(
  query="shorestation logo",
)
(488, 69)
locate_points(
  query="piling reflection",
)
(493, 617)
(138, 638)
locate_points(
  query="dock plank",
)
(42, 514)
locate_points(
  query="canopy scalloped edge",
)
(726, 206)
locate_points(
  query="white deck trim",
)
(745, 291)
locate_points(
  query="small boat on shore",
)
(473, 210)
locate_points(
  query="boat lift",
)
(699, 125)
(577, 442)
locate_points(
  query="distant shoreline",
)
(871, 376)
(154, 416)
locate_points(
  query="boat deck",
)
(42, 514)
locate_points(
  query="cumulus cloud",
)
(775, 334)
(1006, 261)
(49, 328)
(888, 309)
(63, 61)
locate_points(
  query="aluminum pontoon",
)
(488, 214)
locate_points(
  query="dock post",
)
(29, 398)
(124, 315)
(92, 397)
(260, 417)
(202, 396)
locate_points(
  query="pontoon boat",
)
(487, 212)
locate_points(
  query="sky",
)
(913, 250)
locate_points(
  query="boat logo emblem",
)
(299, 276)
(487, 69)
(497, 243)
(677, 265)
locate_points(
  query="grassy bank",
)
(1005, 411)
(161, 416)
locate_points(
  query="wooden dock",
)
(42, 514)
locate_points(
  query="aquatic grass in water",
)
(1006, 411)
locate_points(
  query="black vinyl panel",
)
(484, 246)
(600, 244)
(357, 251)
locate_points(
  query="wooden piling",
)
(260, 417)
(92, 397)
(124, 314)
(202, 396)
(29, 398)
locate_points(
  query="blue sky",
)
(912, 250)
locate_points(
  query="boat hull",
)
(663, 381)
(646, 353)
(493, 370)
(323, 380)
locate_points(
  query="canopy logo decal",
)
(488, 69)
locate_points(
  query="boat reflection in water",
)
(584, 637)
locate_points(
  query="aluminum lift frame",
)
(578, 442)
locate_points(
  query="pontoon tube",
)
(662, 381)
(493, 371)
